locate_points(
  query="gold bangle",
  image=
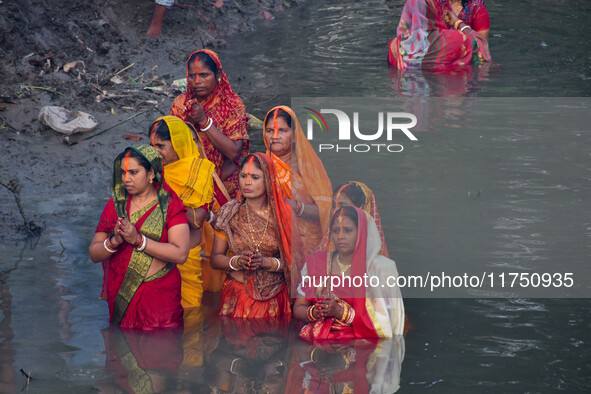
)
(458, 23)
(312, 354)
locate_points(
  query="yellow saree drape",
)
(191, 177)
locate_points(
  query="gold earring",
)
(219, 80)
(151, 180)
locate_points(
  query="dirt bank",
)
(106, 38)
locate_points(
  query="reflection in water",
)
(250, 357)
(232, 355)
(465, 81)
(141, 361)
(359, 366)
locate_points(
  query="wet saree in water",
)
(378, 311)
(309, 184)
(423, 40)
(134, 300)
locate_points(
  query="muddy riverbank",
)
(120, 77)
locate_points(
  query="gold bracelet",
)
(458, 23)
(195, 219)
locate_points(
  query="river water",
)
(472, 193)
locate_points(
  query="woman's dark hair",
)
(353, 192)
(255, 162)
(141, 159)
(464, 2)
(348, 211)
(205, 59)
(160, 128)
(280, 114)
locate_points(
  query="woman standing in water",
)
(191, 177)
(424, 39)
(142, 235)
(218, 115)
(257, 230)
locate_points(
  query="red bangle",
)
(138, 242)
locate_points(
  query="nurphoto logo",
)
(395, 122)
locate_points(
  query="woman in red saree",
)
(424, 38)
(304, 182)
(257, 230)
(348, 310)
(141, 236)
(218, 115)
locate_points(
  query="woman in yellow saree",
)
(191, 177)
(304, 182)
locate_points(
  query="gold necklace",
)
(252, 232)
(342, 267)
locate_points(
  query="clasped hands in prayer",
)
(124, 232)
(328, 307)
(249, 260)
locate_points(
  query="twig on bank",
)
(29, 87)
(123, 69)
(8, 124)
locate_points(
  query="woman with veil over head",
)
(256, 229)
(304, 181)
(141, 236)
(220, 122)
(340, 309)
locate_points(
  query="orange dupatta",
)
(310, 168)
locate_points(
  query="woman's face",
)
(342, 201)
(344, 235)
(251, 181)
(279, 143)
(165, 149)
(135, 177)
(201, 79)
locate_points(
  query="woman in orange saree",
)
(218, 115)
(191, 177)
(257, 230)
(349, 310)
(141, 237)
(304, 181)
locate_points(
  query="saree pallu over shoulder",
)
(260, 285)
(311, 181)
(126, 286)
(263, 293)
(140, 262)
(379, 311)
(229, 116)
(191, 176)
